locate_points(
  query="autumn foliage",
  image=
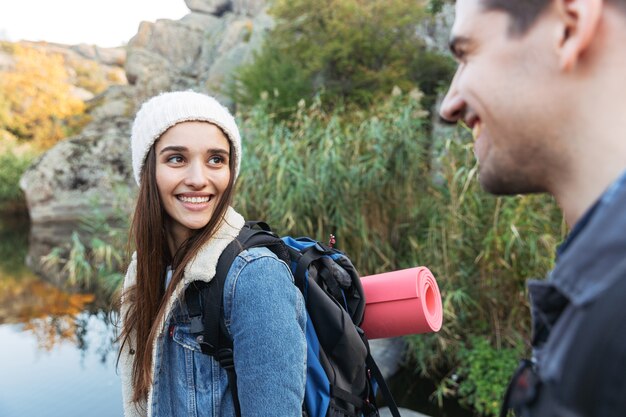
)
(36, 100)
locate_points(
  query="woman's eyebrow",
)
(173, 148)
(218, 151)
(177, 148)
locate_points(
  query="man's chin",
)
(499, 184)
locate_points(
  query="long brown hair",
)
(147, 299)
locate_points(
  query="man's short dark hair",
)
(525, 12)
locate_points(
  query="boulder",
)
(72, 179)
(388, 354)
(213, 7)
(249, 7)
(200, 51)
(105, 56)
(82, 173)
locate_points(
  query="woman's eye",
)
(175, 159)
(216, 160)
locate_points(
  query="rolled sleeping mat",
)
(401, 303)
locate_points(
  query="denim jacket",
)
(265, 314)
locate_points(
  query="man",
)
(542, 84)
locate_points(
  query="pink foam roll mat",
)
(401, 303)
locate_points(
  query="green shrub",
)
(276, 77)
(483, 374)
(94, 259)
(350, 52)
(12, 165)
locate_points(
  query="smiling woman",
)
(186, 153)
(192, 174)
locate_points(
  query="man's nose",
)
(453, 106)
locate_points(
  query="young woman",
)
(186, 153)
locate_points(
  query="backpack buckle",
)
(196, 325)
(225, 358)
(318, 246)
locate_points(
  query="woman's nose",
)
(196, 175)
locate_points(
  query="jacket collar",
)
(583, 269)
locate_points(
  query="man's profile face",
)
(502, 91)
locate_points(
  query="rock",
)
(203, 22)
(249, 7)
(388, 354)
(160, 52)
(81, 93)
(114, 103)
(201, 51)
(213, 7)
(404, 412)
(149, 71)
(175, 41)
(79, 174)
(105, 56)
(436, 31)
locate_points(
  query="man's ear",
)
(580, 21)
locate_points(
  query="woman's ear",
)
(580, 19)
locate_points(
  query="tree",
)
(351, 51)
(36, 101)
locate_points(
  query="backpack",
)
(342, 378)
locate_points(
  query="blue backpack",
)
(342, 377)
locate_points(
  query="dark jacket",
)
(579, 322)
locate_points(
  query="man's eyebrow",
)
(456, 42)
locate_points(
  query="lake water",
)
(57, 354)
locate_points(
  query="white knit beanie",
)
(167, 109)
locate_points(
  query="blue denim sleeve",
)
(265, 314)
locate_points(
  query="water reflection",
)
(58, 350)
(43, 310)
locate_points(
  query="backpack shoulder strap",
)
(204, 300)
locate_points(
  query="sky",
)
(104, 23)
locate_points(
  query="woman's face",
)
(192, 173)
